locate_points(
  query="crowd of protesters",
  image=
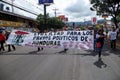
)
(100, 35)
(104, 34)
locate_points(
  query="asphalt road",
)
(53, 64)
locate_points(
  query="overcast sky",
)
(75, 10)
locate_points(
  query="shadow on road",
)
(89, 53)
(100, 63)
(4, 52)
(63, 51)
(116, 52)
(33, 52)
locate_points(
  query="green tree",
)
(53, 22)
(41, 22)
(118, 18)
(109, 7)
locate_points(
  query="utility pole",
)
(55, 11)
(12, 5)
(45, 16)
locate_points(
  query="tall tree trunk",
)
(115, 22)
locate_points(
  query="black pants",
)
(65, 49)
(9, 47)
(100, 50)
(113, 44)
(2, 45)
(40, 48)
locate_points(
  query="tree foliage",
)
(53, 22)
(109, 7)
(118, 18)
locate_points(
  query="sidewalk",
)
(118, 42)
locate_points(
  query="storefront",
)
(13, 21)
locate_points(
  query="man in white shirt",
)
(112, 36)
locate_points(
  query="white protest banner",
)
(64, 39)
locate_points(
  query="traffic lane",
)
(59, 67)
(34, 67)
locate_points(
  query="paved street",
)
(53, 64)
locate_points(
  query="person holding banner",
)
(9, 45)
(99, 42)
(2, 40)
(39, 48)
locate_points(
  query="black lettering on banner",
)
(68, 32)
(34, 37)
(46, 43)
(91, 32)
(87, 32)
(50, 33)
(58, 33)
(73, 33)
(34, 34)
(64, 37)
(37, 38)
(84, 38)
(49, 38)
(83, 33)
(79, 33)
(69, 38)
(54, 37)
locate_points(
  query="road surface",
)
(53, 64)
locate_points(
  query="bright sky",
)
(75, 10)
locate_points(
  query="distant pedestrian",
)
(112, 37)
(99, 42)
(2, 40)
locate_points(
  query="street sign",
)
(45, 1)
(94, 20)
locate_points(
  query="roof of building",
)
(17, 15)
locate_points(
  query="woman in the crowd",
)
(99, 42)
